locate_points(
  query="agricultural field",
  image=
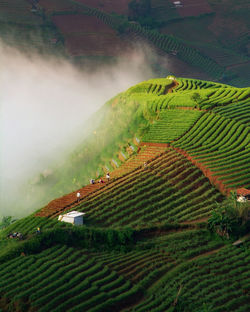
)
(165, 232)
(171, 125)
(51, 6)
(209, 51)
(18, 11)
(147, 242)
(161, 112)
(88, 35)
(163, 10)
(193, 7)
(109, 6)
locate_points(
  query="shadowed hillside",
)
(201, 39)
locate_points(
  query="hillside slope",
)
(145, 245)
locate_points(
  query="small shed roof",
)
(243, 191)
(74, 214)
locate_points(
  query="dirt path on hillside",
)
(195, 221)
(237, 64)
(174, 85)
(190, 108)
(211, 252)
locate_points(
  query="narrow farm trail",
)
(173, 85)
(211, 252)
(193, 222)
(237, 64)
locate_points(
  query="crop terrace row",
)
(171, 125)
(205, 280)
(123, 184)
(175, 185)
(195, 84)
(240, 112)
(62, 278)
(218, 141)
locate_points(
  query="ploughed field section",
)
(88, 35)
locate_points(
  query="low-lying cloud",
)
(44, 102)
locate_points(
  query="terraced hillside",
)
(145, 244)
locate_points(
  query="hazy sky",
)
(43, 102)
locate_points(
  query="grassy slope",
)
(146, 266)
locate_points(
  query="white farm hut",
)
(73, 217)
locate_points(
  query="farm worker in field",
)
(38, 230)
(78, 195)
(108, 176)
(241, 199)
(92, 181)
(19, 236)
(101, 181)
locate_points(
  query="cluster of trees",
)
(140, 11)
(231, 218)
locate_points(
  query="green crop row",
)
(219, 141)
(11, 272)
(185, 84)
(237, 111)
(64, 279)
(202, 283)
(171, 125)
(124, 210)
(124, 184)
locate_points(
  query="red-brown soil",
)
(193, 222)
(88, 35)
(109, 6)
(207, 253)
(67, 201)
(79, 23)
(190, 108)
(56, 5)
(227, 28)
(173, 85)
(193, 7)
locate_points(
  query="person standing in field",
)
(108, 177)
(78, 195)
